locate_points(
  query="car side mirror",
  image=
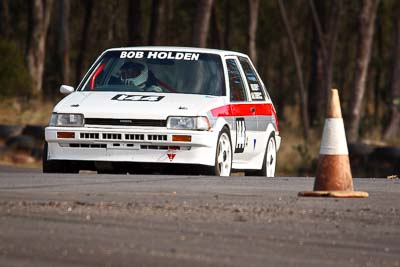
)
(66, 89)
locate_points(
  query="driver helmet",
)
(133, 73)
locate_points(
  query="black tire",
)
(36, 131)
(110, 167)
(359, 150)
(8, 131)
(21, 143)
(114, 170)
(265, 171)
(386, 153)
(56, 166)
(384, 161)
(224, 146)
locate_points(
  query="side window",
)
(257, 94)
(238, 91)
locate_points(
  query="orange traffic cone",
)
(333, 177)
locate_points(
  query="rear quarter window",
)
(257, 92)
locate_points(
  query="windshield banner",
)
(160, 55)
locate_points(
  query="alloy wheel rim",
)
(224, 155)
(271, 158)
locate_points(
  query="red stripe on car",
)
(96, 73)
(234, 110)
(243, 110)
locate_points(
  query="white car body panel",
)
(170, 105)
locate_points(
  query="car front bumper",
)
(153, 145)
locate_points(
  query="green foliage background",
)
(14, 76)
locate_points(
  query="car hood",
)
(137, 105)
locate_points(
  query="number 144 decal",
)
(240, 135)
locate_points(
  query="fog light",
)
(181, 138)
(65, 135)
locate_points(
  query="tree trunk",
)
(216, 31)
(170, 35)
(135, 23)
(280, 95)
(202, 23)
(5, 24)
(252, 31)
(364, 45)
(299, 72)
(63, 39)
(158, 22)
(227, 27)
(316, 94)
(81, 61)
(379, 65)
(392, 129)
(112, 27)
(326, 28)
(39, 18)
(331, 37)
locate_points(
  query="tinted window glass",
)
(256, 92)
(157, 71)
(238, 92)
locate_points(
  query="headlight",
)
(61, 119)
(188, 123)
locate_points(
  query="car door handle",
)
(252, 109)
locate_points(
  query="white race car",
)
(165, 106)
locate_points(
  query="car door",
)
(261, 102)
(243, 112)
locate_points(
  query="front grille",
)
(112, 136)
(159, 147)
(126, 122)
(156, 137)
(129, 145)
(89, 145)
(134, 136)
(89, 136)
(96, 136)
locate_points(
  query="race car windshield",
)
(157, 71)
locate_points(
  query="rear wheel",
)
(223, 156)
(270, 158)
(269, 163)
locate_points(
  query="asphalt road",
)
(127, 220)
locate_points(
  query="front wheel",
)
(56, 166)
(223, 156)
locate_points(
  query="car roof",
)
(180, 49)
